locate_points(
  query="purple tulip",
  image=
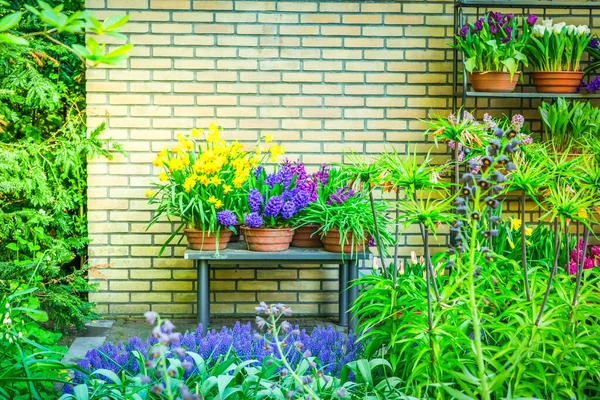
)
(464, 31)
(532, 19)
(479, 25)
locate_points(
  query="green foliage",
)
(570, 125)
(44, 149)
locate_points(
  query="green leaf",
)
(12, 39)
(9, 21)
(81, 392)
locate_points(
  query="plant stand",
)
(237, 254)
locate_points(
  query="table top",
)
(239, 252)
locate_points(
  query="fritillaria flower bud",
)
(459, 201)
(499, 177)
(511, 133)
(502, 160)
(475, 215)
(461, 209)
(484, 184)
(487, 161)
(510, 166)
(495, 143)
(494, 219)
(497, 189)
(466, 191)
(468, 178)
(499, 133)
(491, 202)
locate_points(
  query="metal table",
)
(237, 253)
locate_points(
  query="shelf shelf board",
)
(528, 4)
(521, 95)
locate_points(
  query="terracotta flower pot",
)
(235, 237)
(267, 239)
(493, 81)
(200, 240)
(556, 82)
(307, 237)
(331, 242)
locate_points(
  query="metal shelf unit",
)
(480, 8)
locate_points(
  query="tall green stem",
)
(428, 264)
(376, 226)
(396, 237)
(429, 278)
(552, 272)
(524, 248)
(473, 248)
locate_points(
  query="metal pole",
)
(203, 293)
(343, 295)
(352, 292)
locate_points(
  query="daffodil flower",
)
(515, 224)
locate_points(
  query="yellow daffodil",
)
(255, 160)
(204, 180)
(189, 183)
(268, 138)
(158, 161)
(178, 150)
(213, 128)
(196, 133)
(236, 148)
(528, 231)
(227, 189)
(510, 243)
(239, 181)
(582, 213)
(212, 200)
(163, 177)
(185, 159)
(218, 204)
(180, 138)
(175, 164)
(515, 224)
(276, 151)
(215, 180)
(163, 153)
(188, 145)
(150, 193)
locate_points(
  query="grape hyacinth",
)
(273, 206)
(255, 200)
(340, 196)
(253, 220)
(226, 218)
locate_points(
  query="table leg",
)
(203, 293)
(352, 292)
(343, 295)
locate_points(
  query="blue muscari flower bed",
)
(332, 348)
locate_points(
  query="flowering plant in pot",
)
(306, 236)
(272, 202)
(344, 215)
(491, 50)
(199, 181)
(554, 52)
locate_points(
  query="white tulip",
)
(558, 27)
(539, 30)
(571, 29)
(583, 30)
(547, 23)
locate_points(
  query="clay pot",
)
(493, 81)
(331, 242)
(266, 239)
(200, 240)
(556, 82)
(307, 237)
(235, 237)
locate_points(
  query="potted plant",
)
(554, 52)
(491, 50)
(306, 236)
(198, 183)
(570, 125)
(344, 215)
(272, 201)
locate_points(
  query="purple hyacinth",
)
(323, 174)
(594, 43)
(301, 200)
(340, 196)
(273, 206)
(257, 171)
(594, 85)
(531, 20)
(255, 200)
(226, 218)
(479, 25)
(253, 220)
(285, 176)
(464, 31)
(273, 179)
(288, 210)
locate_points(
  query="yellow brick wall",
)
(320, 77)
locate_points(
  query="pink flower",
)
(572, 267)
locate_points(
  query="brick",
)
(258, 29)
(387, 77)
(380, 7)
(278, 18)
(258, 53)
(237, 64)
(173, 75)
(150, 297)
(255, 5)
(342, 54)
(259, 101)
(260, 76)
(235, 17)
(152, 87)
(363, 89)
(106, 86)
(212, 5)
(216, 76)
(192, 40)
(146, 15)
(256, 286)
(236, 112)
(281, 88)
(129, 286)
(321, 113)
(135, 4)
(235, 297)
(340, 30)
(297, 286)
(213, 28)
(150, 38)
(301, 77)
(384, 54)
(273, 65)
(237, 41)
(302, 30)
(216, 100)
(166, 309)
(300, 124)
(345, 124)
(236, 88)
(188, 16)
(403, 19)
(171, 285)
(363, 42)
(322, 65)
(171, 28)
(320, 18)
(129, 309)
(321, 89)
(129, 99)
(174, 99)
(337, 7)
(277, 297)
(363, 19)
(150, 63)
(305, 101)
(194, 64)
(363, 113)
(322, 42)
(345, 101)
(128, 76)
(194, 88)
(344, 77)
(171, 4)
